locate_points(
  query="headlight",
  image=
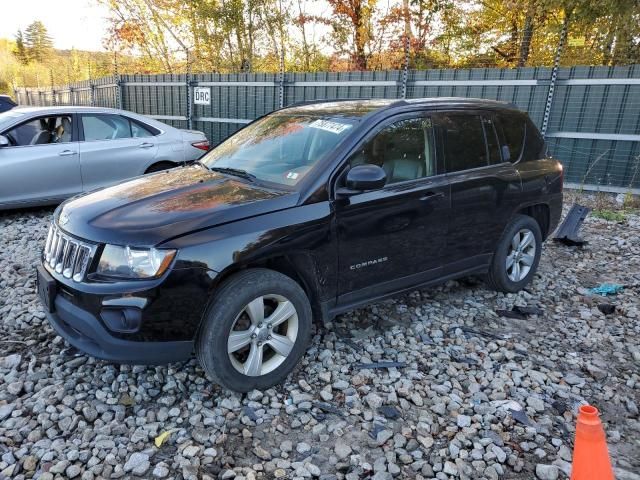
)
(127, 262)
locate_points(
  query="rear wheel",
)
(517, 255)
(255, 331)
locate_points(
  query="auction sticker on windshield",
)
(330, 126)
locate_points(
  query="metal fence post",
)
(53, 91)
(119, 101)
(189, 105)
(554, 74)
(281, 79)
(405, 67)
(92, 93)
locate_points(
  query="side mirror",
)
(4, 141)
(365, 177)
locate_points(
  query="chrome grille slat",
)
(67, 255)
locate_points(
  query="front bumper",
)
(169, 313)
(85, 332)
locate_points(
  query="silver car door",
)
(108, 152)
(41, 163)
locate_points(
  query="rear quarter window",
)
(513, 125)
(534, 146)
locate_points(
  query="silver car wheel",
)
(263, 334)
(522, 253)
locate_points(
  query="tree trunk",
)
(360, 59)
(527, 35)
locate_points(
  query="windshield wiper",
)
(234, 171)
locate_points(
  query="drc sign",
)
(202, 95)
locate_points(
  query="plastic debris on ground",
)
(160, 439)
(567, 232)
(607, 289)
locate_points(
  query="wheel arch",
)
(156, 163)
(295, 266)
(541, 213)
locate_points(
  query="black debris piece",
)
(482, 333)
(520, 312)
(567, 233)
(249, 412)
(520, 417)
(559, 406)
(389, 412)
(380, 365)
(606, 308)
(467, 360)
(511, 314)
(328, 408)
(526, 310)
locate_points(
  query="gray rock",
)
(546, 472)
(463, 421)
(138, 463)
(342, 450)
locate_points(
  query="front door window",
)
(41, 131)
(403, 149)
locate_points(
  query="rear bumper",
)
(86, 333)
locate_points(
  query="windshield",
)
(280, 148)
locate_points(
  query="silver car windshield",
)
(280, 148)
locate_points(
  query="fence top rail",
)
(355, 83)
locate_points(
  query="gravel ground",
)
(474, 395)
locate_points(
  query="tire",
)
(236, 307)
(160, 166)
(524, 260)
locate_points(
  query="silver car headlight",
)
(134, 263)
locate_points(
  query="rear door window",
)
(105, 127)
(463, 139)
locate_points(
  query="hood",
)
(151, 209)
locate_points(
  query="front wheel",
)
(517, 255)
(255, 330)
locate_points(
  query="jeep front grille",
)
(67, 255)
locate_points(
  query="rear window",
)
(513, 127)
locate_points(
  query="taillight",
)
(202, 145)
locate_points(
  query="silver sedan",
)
(48, 154)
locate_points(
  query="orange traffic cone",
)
(590, 453)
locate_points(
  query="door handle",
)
(66, 153)
(146, 145)
(431, 196)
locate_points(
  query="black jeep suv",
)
(303, 214)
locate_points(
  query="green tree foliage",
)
(20, 51)
(37, 42)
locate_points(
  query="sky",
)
(80, 24)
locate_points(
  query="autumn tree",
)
(353, 28)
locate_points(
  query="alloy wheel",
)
(263, 334)
(522, 253)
